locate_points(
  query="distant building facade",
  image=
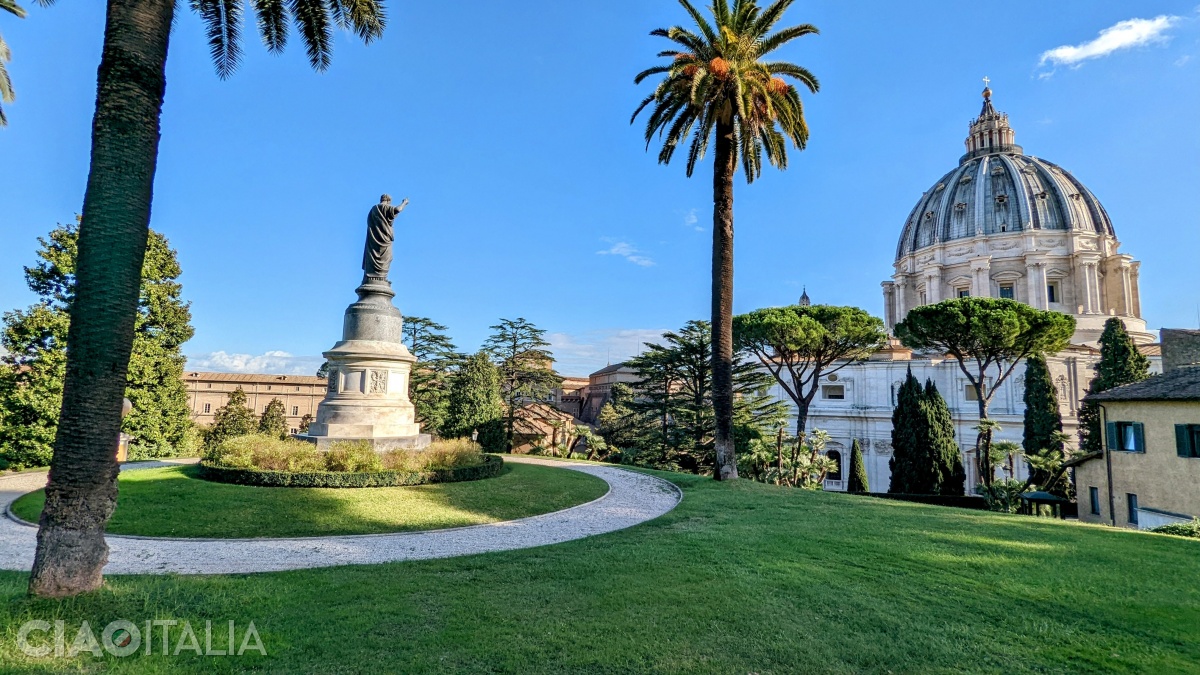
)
(300, 394)
(1001, 224)
(1148, 473)
(599, 389)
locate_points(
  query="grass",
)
(741, 578)
(173, 502)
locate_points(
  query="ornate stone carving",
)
(379, 381)
(333, 381)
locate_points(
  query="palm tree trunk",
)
(722, 302)
(82, 490)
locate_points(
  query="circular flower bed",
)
(264, 461)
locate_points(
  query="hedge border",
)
(972, 502)
(491, 467)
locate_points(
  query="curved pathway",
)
(632, 498)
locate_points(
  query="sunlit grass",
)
(173, 502)
(739, 578)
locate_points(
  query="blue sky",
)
(507, 125)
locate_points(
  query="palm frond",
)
(13, 8)
(364, 17)
(798, 72)
(272, 23)
(701, 23)
(771, 16)
(313, 21)
(6, 91)
(222, 27)
(777, 40)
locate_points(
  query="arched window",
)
(837, 457)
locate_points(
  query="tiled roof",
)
(1181, 384)
(252, 378)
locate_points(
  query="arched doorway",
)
(835, 476)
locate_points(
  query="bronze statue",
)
(377, 254)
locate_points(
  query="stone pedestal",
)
(369, 372)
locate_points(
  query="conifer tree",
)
(945, 470)
(35, 339)
(906, 436)
(274, 420)
(1043, 421)
(429, 387)
(475, 403)
(858, 471)
(231, 420)
(1120, 363)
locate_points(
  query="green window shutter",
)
(1139, 437)
(1182, 442)
(1111, 432)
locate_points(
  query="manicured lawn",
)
(742, 578)
(173, 502)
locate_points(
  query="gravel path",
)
(632, 498)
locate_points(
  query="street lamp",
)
(474, 435)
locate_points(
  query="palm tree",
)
(6, 91)
(718, 85)
(82, 489)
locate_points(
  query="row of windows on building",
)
(1008, 292)
(295, 409)
(1131, 437)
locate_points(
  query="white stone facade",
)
(1001, 224)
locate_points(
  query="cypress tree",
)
(1120, 363)
(947, 476)
(1043, 421)
(231, 420)
(906, 436)
(858, 471)
(274, 420)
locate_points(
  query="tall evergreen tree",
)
(1043, 420)
(474, 402)
(437, 357)
(233, 419)
(945, 469)
(907, 451)
(858, 470)
(35, 338)
(1120, 363)
(526, 367)
(274, 420)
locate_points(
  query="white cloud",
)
(628, 252)
(272, 362)
(585, 353)
(1121, 35)
(691, 219)
(1183, 59)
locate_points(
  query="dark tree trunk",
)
(983, 443)
(82, 490)
(722, 303)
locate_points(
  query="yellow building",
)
(300, 394)
(1149, 472)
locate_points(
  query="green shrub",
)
(353, 457)
(1191, 529)
(259, 451)
(490, 467)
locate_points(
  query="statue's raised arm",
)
(377, 254)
